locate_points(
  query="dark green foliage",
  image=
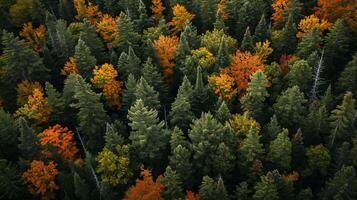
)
(147, 94)
(300, 74)
(310, 42)
(129, 64)
(242, 191)
(155, 78)
(10, 181)
(128, 35)
(129, 92)
(90, 37)
(223, 57)
(84, 60)
(112, 137)
(247, 42)
(348, 78)
(261, 31)
(173, 185)
(223, 113)
(266, 188)
(9, 134)
(28, 140)
(210, 189)
(286, 43)
(181, 114)
(280, 151)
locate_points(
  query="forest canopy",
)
(178, 99)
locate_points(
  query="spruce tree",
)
(280, 151)
(223, 113)
(318, 159)
(148, 139)
(178, 138)
(300, 74)
(348, 78)
(247, 42)
(223, 57)
(181, 162)
(19, 61)
(186, 89)
(253, 100)
(155, 78)
(266, 188)
(342, 117)
(309, 43)
(11, 186)
(290, 107)
(84, 60)
(219, 23)
(191, 35)
(287, 40)
(147, 94)
(261, 31)
(112, 137)
(91, 115)
(9, 135)
(251, 148)
(129, 92)
(181, 114)
(128, 36)
(92, 40)
(210, 189)
(172, 185)
(242, 191)
(316, 123)
(129, 63)
(143, 21)
(81, 187)
(200, 94)
(271, 130)
(183, 49)
(28, 140)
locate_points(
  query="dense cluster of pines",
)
(178, 99)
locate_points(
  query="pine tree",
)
(223, 57)
(242, 191)
(155, 78)
(207, 189)
(223, 113)
(348, 78)
(185, 90)
(181, 162)
(289, 107)
(271, 130)
(148, 139)
(342, 186)
(219, 23)
(251, 148)
(129, 64)
(143, 21)
(200, 94)
(10, 181)
(310, 42)
(300, 74)
(183, 49)
(147, 94)
(181, 114)
(253, 101)
(92, 40)
(221, 189)
(173, 185)
(337, 48)
(261, 31)
(84, 59)
(247, 42)
(19, 61)
(28, 140)
(191, 35)
(342, 117)
(266, 188)
(327, 98)
(38, 11)
(280, 151)
(9, 135)
(318, 159)
(287, 41)
(91, 115)
(206, 135)
(178, 138)
(112, 137)
(128, 36)
(316, 123)
(129, 92)
(81, 187)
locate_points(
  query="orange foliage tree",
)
(106, 27)
(223, 85)
(312, 22)
(40, 179)
(181, 16)
(284, 63)
(192, 196)
(69, 67)
(221, 8)
(35, 37)
(104, 78)
(24, 90)
(61, 139)
(332, 10)
(146, 188)
(157, 8)
(165, 49)
(36, 108)
(242, 66)
(279, 6)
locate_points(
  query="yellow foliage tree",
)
(80, 6)
(165, 49)
(35, 37)
(181, 16)
(24, 90)
(36, 108)
(263, 50)
(204, 57)
(40, 179)
(223, 85)
(106, 27)
(69, 67)
(241, 124)
(59, 138)
(312, 22)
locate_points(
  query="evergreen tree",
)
(253, 100)
(191, 35)
(337, 48)
(91, 115)
(181, 162)
(300, 74)
(181, 114)
(247, 42)
(280, 151)
(38, 11)
(221, 189)
(342, 186)
(289, 107)
(148, 139)
(19, 61)
(223, 57)
(219, 23)
(309, 43)
(316, 123)
(129, 92)
(185, 90)
(327, 98)
(223, 113)
(287, 41)
(200, 94)
(9, 135)
(81, 187)
(10, 181)
(210, 189)
(266, 188)
(128, 36)
(183, 49)
(251, 148)
(143, 21)
(348, 78)
(28, 140)
(242, 191)
(92, 40)
(173, 185)
(207, 135)
(318, 159)
(112, 137)
(261, 31)
(272, 129)
(129, 64)
(177, 138)
(155, 78)
(342, 117)
(84, 60)
(147, 94)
